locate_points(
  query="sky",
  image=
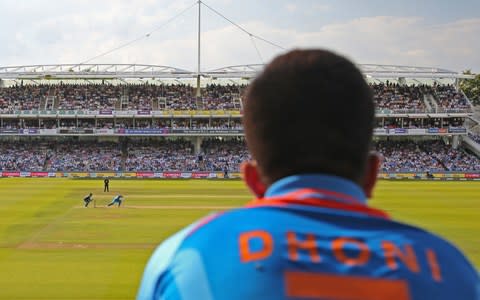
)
(427, 33)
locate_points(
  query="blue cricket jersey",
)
(310, 237)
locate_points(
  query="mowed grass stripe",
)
(28, 207)
(160, 196)
(62, 245)
(188, 207)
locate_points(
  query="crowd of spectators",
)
(449, 98)
(411, 156)
(164, 155)
(392, 97)
(389, 97)
(85, 156)
(87, 96)
(412, 123)
(178, 155)
(226, 155)
(474, 137)
(222, 97)
(457, 159)
(22, 97)
(25, 156)
(215, 155)
(177, 97)
(135, 97)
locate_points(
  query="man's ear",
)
(371, 173)
(251, 177)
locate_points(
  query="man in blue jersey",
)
(309, 233)
(117, 199)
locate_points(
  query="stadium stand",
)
(414, 103)
(22, 97)
(94, 97)
(178, 155)
(163, 155)
(215, 155)
(23, 155)
(388, 96)
(398, 98)
(450, 99)
(474, 137)
(224, 154)
(86, 97)
(433, 156)
(222, 97)
(85, 156)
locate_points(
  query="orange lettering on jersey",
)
(246, 254)
(338, 247)
(308, 244)
(391, 251)
(433, 264)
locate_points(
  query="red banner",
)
(11, 174)
(145, 174)
(172, 174)
(472, 175)
(39, 174)
(200, 174)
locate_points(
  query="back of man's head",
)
(309, 111)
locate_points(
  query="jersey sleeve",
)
(159, 274)
(478, 288)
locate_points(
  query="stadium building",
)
(122, 120)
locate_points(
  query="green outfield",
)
(53, 248)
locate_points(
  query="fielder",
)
(117, 199)
(88, 199)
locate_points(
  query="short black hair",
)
(309, 111)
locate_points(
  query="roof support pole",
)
(198, 94)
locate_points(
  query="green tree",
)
(471, 87)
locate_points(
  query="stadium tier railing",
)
(236, 131)
(471, 175)
(102, 174)
(122, 113)
(139, 113)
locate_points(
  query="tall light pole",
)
(198, 49)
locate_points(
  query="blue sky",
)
(422, 33)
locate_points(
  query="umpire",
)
(105, 185)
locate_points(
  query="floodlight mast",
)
(198, 94)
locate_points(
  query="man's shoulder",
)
(163, 257)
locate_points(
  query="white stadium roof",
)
(136, 71)
(92, 71)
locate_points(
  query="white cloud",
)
(320, 8)
(290, 7)
(81, 32)
(393, 40)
